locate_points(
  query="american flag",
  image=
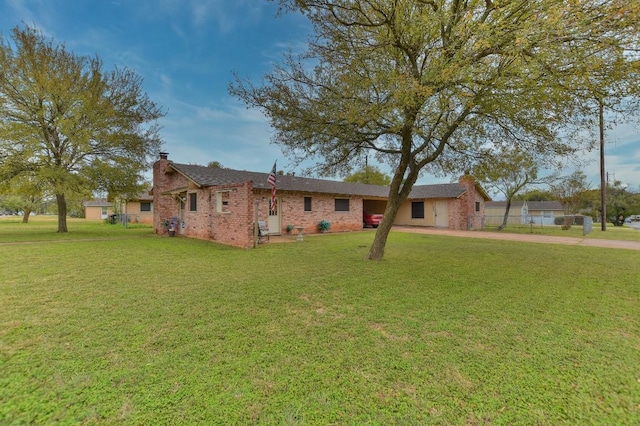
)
(272, 181)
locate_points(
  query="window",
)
(307, 204)
(222, 201)
(417, 210)
(477, 206)
(342, 204)
(193, 202)
(145, 206)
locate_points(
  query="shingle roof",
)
(503, 204)
(143, 196)
(544, 205)
(211, 176)
(442, 190)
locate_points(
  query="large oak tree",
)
(68, 123)
(428, 85)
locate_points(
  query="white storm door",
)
(274, 218)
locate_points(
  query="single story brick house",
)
(224, 204)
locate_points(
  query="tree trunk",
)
(25, 217)
(376, 252)
(62, 213)
(505, 219)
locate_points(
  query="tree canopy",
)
(570, 189)
(621, 202)
(429, 85)
(508, 173)
(369, 174)
(66, 122)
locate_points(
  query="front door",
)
(274, 218)
(181, 224)
(441, 214)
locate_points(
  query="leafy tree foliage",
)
(570, 191)
(621, 202)
(429, 85)
(10, 204)
(535, 195)
(68, 124)
(508, 173)
(26, 193)
(369, 174)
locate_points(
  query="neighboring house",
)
(523, 212)
(139, 208)
(97, 208)
(544, 212)
(224, 204)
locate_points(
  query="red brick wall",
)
(234, 224)
(322, 207)
(462, 212)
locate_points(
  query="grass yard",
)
(120, 326)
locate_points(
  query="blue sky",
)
(186, 52)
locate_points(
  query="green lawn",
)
(120, 326)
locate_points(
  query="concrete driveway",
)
(531, 238)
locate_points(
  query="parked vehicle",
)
(371, 219)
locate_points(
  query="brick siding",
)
(322, 208)
(462, 211)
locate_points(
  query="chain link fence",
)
(538, 224)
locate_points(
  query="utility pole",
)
(603, 184)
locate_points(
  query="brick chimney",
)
(467, 180)
(162, 204)
(471, 217)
